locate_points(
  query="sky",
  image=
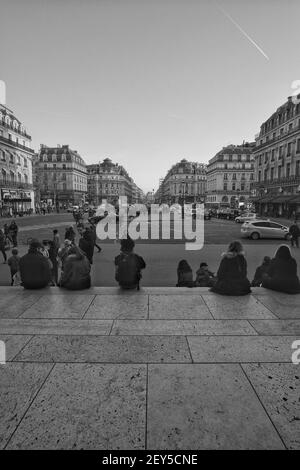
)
(147, 82)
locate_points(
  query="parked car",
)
(229, 214)
(207, 214)
(264, 229)
(246, 217)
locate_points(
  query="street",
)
(161, 256)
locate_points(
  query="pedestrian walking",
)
(294, 231)
(14, 264)
(13, 232)
(94, 235)
(2, 245)
(56, 240)
(86, 244)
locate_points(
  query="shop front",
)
(15, 202)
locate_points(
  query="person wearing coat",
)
(184, 274)
(35, 270)
(232, 273)
(281, 275)
(76, 273)
(261, 271)
(2, 245)
(86, 244)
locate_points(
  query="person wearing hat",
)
(204, 277)
(35, 271)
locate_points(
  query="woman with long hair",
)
(232, 273)
(282, 272)
(184, 274)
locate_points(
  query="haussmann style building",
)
(230, 176)
(16, 189)
(60, 176)
(108, 181)
(184, 183)
(277, 162)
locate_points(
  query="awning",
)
(282, 199)
(295, 200)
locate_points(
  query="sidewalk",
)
(162, 368)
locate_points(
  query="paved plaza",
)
(162, 368)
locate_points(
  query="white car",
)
(247, 217)
(264, 229)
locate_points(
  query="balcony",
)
(15, 144)
(275, 139)
(9, 126)
(286, 180)
(7, 183)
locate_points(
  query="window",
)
(289, 149)
(242, 186)
(234, 176)
(279, 172)
(225, 176)
(233, 186)
(225, 186)
(298, 168)
(288, 170)
(25, 162)
(298, 146)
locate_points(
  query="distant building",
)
(277, 162)
(16, 189)
(230, 176)
(60, 176)
(109, 181)
(185, 182)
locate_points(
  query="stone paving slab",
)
(283, 306)
(14, 303)
(278, 387)
(241, 348)
(188, 307)
(85, 406)
(182, 327)
(114, 349)
(276, 327)
(55, 327)
(205, 407)
(57, 306)
(118, 306)
(14, 344)
(19, 383)
(234, 308)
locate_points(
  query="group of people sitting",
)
(279, 273)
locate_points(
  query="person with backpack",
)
(76, 273)
(128, 266)
(184, 274)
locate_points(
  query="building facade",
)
(60, 176)
(16, 188)
(230, 176)
(277, 162)
(185, 182)
(109, 181)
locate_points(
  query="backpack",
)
(127, 273)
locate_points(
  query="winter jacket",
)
(86, 244)
(294, 230)
(204, 278)
(259, 275)
(35, 270)
(232, 275)
(76, 273)
(185, 279)
(282, 276)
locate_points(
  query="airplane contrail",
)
(243, 32)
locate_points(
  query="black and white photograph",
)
(149, 229)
